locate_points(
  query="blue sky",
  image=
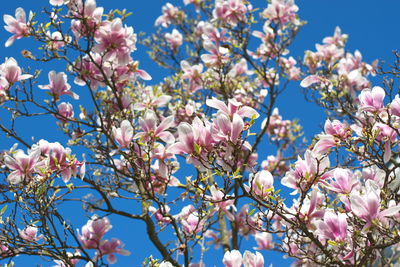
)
(373, 29)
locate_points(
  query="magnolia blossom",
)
(58, 85)
(174, 39)
(264, 241)
(22, 165)
(216, 56)
(111, 248)
(308, 170)
(12, 72)
(88, 15)
(56, 40)
(334, 227)
(124, 134)
(3, 89)
(260, 184)
(253, 260)
(367, 206)
(30, 234)
(17, 26)
(387, 135)
(194, 139)
(169, 13)
(151, 99)
(232, 259)
(57, 2)
(395, 106)
(115, 41)
(151, 130)
(344, 181)
(233, 107)
(230, 11)
(193, 74)
(93, 231)
(190, 220)
(166, 264)
(65, 111)
(282, 12)
(372, 99)
(221, 201)
(337, 128)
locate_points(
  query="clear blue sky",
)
(373, 29)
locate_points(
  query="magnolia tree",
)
(187, 157)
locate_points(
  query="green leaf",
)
(332, 243)
(3, 209)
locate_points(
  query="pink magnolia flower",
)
(151, 99)
(367, 206)
(17, 26)
(232, 259)
(337, 129)
(111, 248)
(312, 79)
(372, 99)
(115, 42)
(264, 241)
(12, 72)
(161, 214)
(58, 85)
(253, 260)
(334, 227)
(375, 174)
(194, 140)
(5, 251)
(124, 134)
(65, 111)
(60, 160)
(30, 234)
(193, 74)
(151, 130)
(245, 223)
(90, 71)
(216, 56)
(267, 34)
(289, 65)
(278, 128)
(311, 169)
(4, 86)
(282, 12)
(221, 201)
(190, 220)
(344, 181)
(230, 11)
(309, 209)
(57, 2)
(325, 142)
(387, 135)
(395, 106)
(261, 184)
(174, 39)
(93, 232)
(88, 15)
(169, 13)
(55, 40)
(233, 107)
(337, 39)
(23, 165)
(225, 129)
